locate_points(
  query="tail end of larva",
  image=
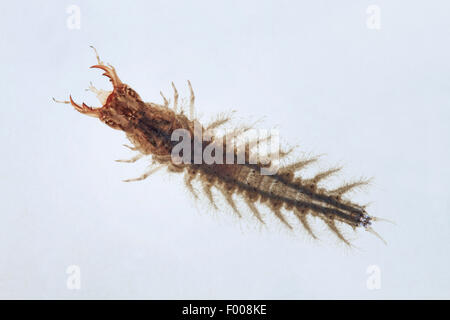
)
(367, 222)
(370, 230)
(383, 220)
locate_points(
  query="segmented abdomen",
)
(281, 190)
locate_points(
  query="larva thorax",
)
(148, 125)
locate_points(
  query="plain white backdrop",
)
(373, 100)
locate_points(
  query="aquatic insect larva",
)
(151, 127)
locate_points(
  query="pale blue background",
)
(375, 101)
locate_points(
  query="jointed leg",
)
(207, 190)
(280, 216)
(166, 102)
(254, 210)
(302, 217)
(191, 103)
(175, 98)
(188, 181)
(332, 225)
(221, 120)
(132, 160)
(102, 95)
(145, 175)
(229, 199)
(130, 147)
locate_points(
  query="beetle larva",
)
(151, 128)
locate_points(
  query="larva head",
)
(118, 106)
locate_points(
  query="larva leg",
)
(102, 95)
(230, 201)
(304, 221)
(348, 187)
(175, 98)
(130, 147)
(280, 216)
(188, 181)
(297, 165)
(254, 210)
(332, 225)
(191, 102)
(221, 120)
(207, 190)
(280, 154)
(256, 142)
(166, 102)
(217, 123)
(145, 175)
(235, 133)
(132, 160)
(322, 175)
(284, 153)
